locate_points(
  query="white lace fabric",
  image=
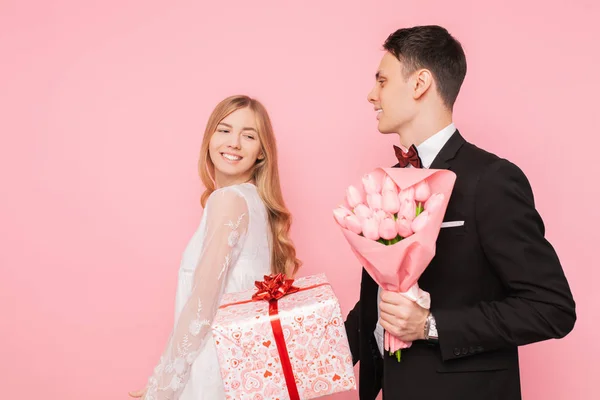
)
(226, 227)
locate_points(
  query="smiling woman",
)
(243, 235)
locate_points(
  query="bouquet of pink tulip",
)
(392, 221)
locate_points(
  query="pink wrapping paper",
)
(399, 266)
(313, 329)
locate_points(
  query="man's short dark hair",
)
(431, 47)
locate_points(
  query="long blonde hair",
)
(265, 175)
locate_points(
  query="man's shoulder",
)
(476, 156)
(486, 164)
(481, 159)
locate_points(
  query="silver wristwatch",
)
(431, 333)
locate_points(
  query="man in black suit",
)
(495, 282)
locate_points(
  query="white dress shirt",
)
(427, 150)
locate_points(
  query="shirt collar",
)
(430, 148)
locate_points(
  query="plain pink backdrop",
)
(102, 109)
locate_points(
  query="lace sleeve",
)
(227, 223)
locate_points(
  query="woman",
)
(243, 235)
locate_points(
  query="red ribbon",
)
(272, 289)
(286, 365)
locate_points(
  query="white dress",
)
(229, 251)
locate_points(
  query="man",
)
(495, 282)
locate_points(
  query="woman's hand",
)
(138, 393)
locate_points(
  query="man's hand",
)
(401, 317)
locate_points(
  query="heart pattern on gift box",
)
(321, 386)
(300, 354)
(251, 382)
(271, 390)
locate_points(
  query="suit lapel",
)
(448, 152)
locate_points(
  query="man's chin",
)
(382, 128)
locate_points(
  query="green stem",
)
(397, 354)
(420, 208)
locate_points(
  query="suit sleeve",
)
(353, 331)
(539, 304)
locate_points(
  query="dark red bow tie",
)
(410, 157)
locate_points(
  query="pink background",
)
(102, 109)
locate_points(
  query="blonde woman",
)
(243, 235)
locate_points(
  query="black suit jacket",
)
(495, 284)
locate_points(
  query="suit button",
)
(457, 351)
(471, 350)
(465, 351)
(479, 349)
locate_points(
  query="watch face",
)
(432, 328)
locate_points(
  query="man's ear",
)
(423, 80)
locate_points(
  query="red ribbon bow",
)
(274, 287)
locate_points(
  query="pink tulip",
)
(407, 194)
(363, 211)
(389, 184)
(420, 222)
(387, 229)
(381, 215)
(408, 210)
(371, 185)
(370, 228)
(374, 201)
(434, 202)
(339, 214)
(391, 202)
(353, 224)
(353, 196)
(403, 227)
(422, 191)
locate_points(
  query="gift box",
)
(283, 340)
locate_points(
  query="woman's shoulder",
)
(241, 189)
(234, 195)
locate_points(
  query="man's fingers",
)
(389, 318)
(392, 309)
(393, 298)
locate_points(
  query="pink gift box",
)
(311, 335)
